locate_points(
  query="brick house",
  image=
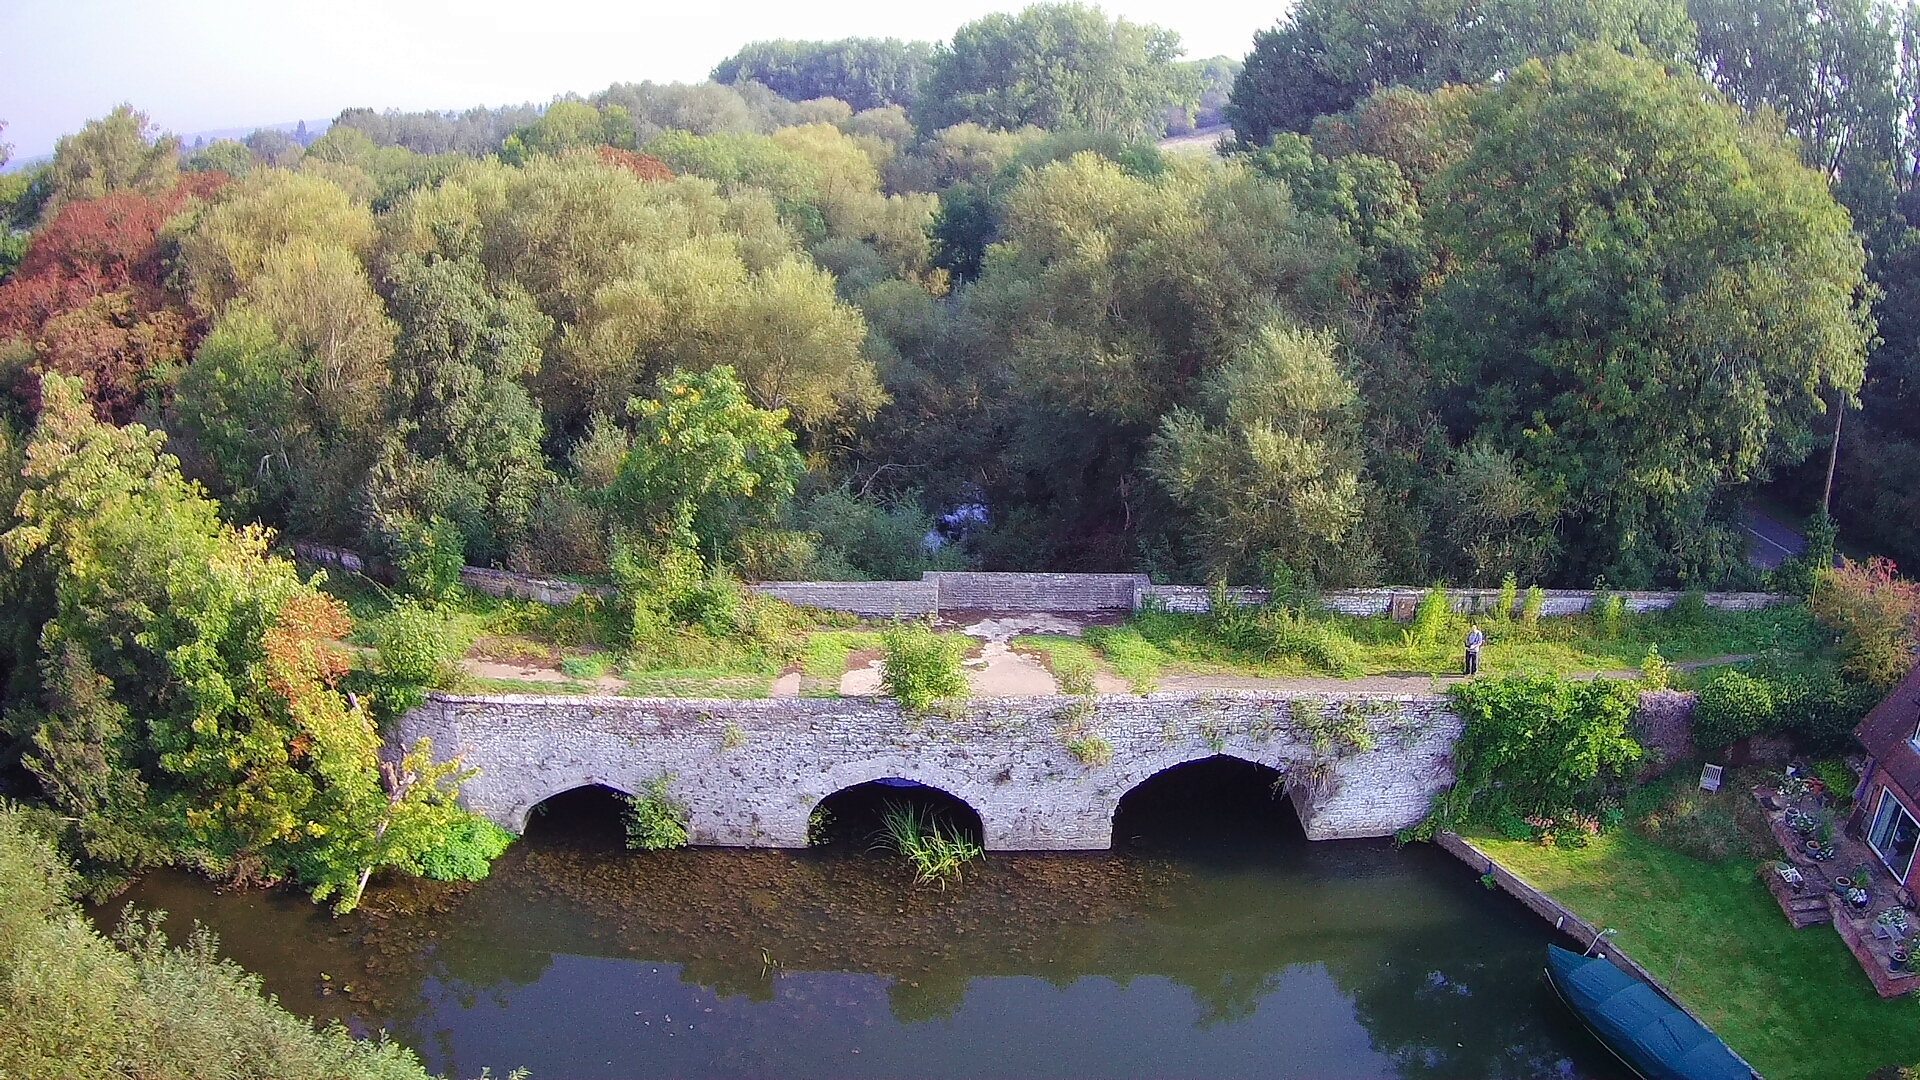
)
(1887, 812)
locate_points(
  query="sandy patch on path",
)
(787, 685)
(494, 669)
(863, 681)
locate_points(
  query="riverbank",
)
(1791, 1002)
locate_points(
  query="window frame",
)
(1890, 801)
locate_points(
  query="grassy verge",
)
(1793, 1002)
(1072, 661)
(823, 659)
(1154, 641)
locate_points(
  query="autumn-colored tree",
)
(190, 712)
(1877, 615)
(89, 299)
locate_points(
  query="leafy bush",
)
(1688, 611)
(1655, 672)
(1536, 745)
(585, 668)
(1609, 612)
(656, 820)
(1815, 702)
(429, 557)
(1731, 705)
(466, 851)
(1839, 779)
(1091, 750)
(1430, 618)
(1877, 615)
(919, 667)
(81, 1007)
(1531, 606)
(415, 647)
(1509, 596)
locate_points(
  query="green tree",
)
(119, 151)
(465, 434)
(1107, 301)
(1056, 66)
(285, 395)
(866, 73)
(1826, 68)
(1647, 336)
(1271, 468)
(704, 461)
(1328, 54)
(190, 713)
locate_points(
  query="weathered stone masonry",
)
(751, 771)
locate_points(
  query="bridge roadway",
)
(750, 772)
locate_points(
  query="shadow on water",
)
(1214, 940)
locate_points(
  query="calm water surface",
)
(1211, 944)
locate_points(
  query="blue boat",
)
(1655, 1038)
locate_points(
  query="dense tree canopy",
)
(1646, 334)
(1328, 54)
(1056, 66)
(866, 73)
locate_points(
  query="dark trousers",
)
(1473, 661)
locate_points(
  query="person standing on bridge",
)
(1475, 639)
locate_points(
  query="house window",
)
(1893, 834)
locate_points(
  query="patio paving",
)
(1858, 924)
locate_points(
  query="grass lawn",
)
(1793, 1002)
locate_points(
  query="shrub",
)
(1509, 595)
(1655, 672)
(1431, 617)
(80, 1006)
(1688, 611)
(1091, 750)
(429, 557)
(1877, 615)
(1531, 606)
(413, 646)
(919, 667)
(1609, 611)
(656, 821)
(467, 850)
(1731, 706)
(1539, 744)
(584, 668)
(1839, 781)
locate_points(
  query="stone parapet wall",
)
(872, 598)
(550, 591)
(751, 771)
(971, 591)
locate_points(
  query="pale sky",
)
(199, 65)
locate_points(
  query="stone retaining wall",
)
(751, 771)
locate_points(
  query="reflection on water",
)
(1196, 949)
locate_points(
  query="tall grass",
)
(938, 851)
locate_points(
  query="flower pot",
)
(1898, 960)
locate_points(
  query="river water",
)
(1213, 942)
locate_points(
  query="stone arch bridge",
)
(750, 772)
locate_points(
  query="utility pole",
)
(1833, 456)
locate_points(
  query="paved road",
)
(1769, 542)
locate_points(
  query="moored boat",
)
(1654, 1037)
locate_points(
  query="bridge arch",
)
(1206, 797)
(519, 813)
(854, 816)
